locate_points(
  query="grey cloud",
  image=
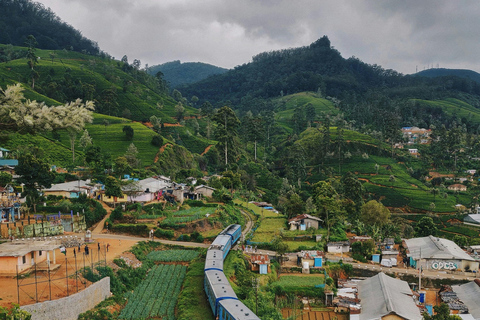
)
(394, 34)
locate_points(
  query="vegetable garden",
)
(173, 255)
(157, 295)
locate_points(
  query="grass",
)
(192, 302)
(294, 245)
(300, 281)
(452, 106)
(257, 210)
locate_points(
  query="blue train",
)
(223, 300)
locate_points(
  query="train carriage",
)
(221, 297)
(214, 260)
(217, 288)
(235, 309)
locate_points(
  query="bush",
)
(157, 141)
(136, 229)
(117, 214)
(161, 233)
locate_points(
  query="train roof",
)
(220, 241)
(214, 259)
(238, 310)
(220, 285)
(231, 229)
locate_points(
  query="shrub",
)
(157, 141)
(161, 233)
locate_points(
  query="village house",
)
(71, 190)
(205, 191)
(312, 257)
(260, 263)
(304, 222)
(413, 152)
(21, 256)
(457, 187)
(469, 294)
(338, 247)
(386, 298)
(414, 135)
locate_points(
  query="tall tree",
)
(374, 213)
(35, 174)
(32, 58)
(129, 132)
(226, 131)
(113, 188)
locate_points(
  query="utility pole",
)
(420, 271)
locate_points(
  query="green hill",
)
(117, 88)
(362, 155)
(443, 72)
(452, 107)
(177, 73)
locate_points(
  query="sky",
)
(406, 36)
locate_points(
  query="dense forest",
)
(21, 18)
(177, 73)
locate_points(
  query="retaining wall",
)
(70, 307)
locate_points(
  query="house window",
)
(32, 254)
(40, 253)
(24, 259)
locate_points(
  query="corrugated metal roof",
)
(382, 295)
(435, 248)
(469, 293)
(473, 218)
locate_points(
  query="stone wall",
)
(70, 307)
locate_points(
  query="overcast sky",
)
(399, 35)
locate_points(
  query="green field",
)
(452, 107)
(157, 295)
(301, 281)
(173, 255)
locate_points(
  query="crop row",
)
(157, 295)
(173, 255)
(194, 211)
(186, 219)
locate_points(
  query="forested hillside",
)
(443, 72)
(21, 18)
(177, 73)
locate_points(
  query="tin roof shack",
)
(347, 296)
(386, 298)
(469, 294)
(71, 190)
(260, 263)
(391, 256)
(205, 191)
(312, 257)
(338, 247)
(438, 254)
(472, 219)
(21, 256)
(450, 297)
(304, 221)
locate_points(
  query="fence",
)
(48, 281)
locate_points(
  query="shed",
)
(469, 294)
(338, 247)
(205, 191)
(303, 222)
(260, 263)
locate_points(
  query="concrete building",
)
(338, 247)
(21, 256)
(438, 254)
(386, 298)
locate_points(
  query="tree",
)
(23, 115)
(157, 140)
(85, 139)
(226, 131)
(329, 206)
(442, 312)
(5, 178)
(129, 132)
(179, 110)
(113, 188)
(461, 241)
(374, 213)
(426, 227)
(35, 174)
(32, 58)
(121, 166)
(177, 95)
(106, 123)
(131, 156)
(280, 247)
